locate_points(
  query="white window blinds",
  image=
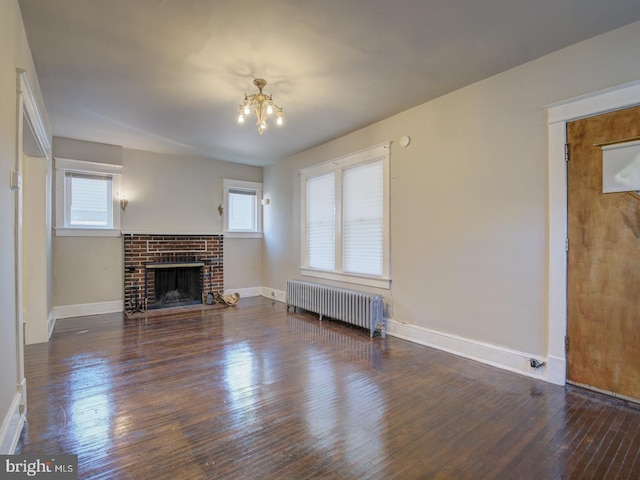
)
(345, 218)
(242, 212)
(243, 207)
(321, 222)
(362, 219)
(90, 201)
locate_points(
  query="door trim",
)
(558, 115)
(28, 117)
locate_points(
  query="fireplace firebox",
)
(174, 285)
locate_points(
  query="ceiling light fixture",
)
(263, 107)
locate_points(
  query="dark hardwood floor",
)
(251, 392)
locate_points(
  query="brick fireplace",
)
(171, 270)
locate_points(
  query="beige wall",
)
(181, 194)
(167, 194)
(176, 194)
(88, 151)
(36, 240)
(86, 270)
(14, 54)
(468, 197)
(242, 263)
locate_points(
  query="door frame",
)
(558, 115)
(29, 121)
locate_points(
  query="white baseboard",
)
(12, 425)
(556, 370)
(84, 309)
(278, 295)
(494, 355)
(245, 292)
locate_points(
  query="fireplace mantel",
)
(174, 264)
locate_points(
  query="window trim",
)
(64, 165)
(230, 184)
(337, 166)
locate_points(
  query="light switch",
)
(16, 180)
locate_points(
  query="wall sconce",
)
(220, 209)
(123, 203)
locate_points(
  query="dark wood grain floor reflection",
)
(253, 392)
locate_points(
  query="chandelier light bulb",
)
(262, 106)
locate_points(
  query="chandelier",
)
(263, 107)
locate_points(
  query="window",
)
(242, 209)
(321, 222)
(345, 219)
(87, 198)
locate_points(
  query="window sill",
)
(377, 282)
(87, 232)
(242, 235)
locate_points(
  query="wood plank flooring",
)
(255, 392)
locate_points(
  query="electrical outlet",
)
(536, 363)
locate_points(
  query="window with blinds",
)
(345, 219)
(242, 206)
(321, 222)
(362, 219)
(242, 212)
(89, 200)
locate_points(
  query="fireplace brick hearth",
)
(144, 252)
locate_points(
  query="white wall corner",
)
(494, 355)
(278, 295)
(12, 423)
(84, 309)
(51, 322)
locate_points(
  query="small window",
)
(242, 208)
(87, 198)
(88, 203)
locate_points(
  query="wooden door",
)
(603, 285)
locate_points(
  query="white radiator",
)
(351, 306)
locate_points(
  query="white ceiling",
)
(168, 75)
